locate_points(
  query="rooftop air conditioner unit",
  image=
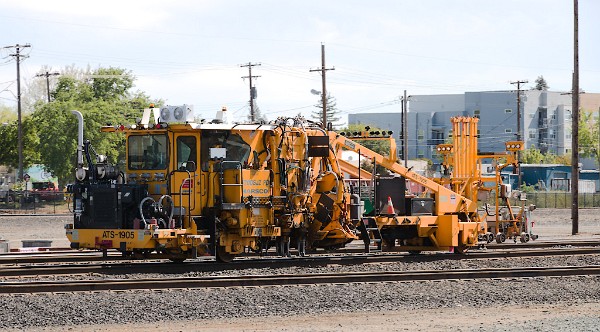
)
(171, 114)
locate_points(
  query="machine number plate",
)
(118, 234)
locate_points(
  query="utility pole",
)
(323, 70)
(252, 89)
(575, 124)
(18, 48)
(47, 75)
(519, 134)
(405, 129)
(518, 83)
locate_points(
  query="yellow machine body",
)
(464, 174)
(191, 189)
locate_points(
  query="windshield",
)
(147, 152)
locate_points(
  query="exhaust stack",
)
(79, 138)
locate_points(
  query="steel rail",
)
(291, 279)
(141, 267)
(69, 256)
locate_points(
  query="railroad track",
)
(291, 279)
(117, 267)
(71, 256)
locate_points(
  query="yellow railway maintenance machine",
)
(463, 173)
(191, 189)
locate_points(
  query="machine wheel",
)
(283, 246)
(223, 256)
(461, 249)
(389, 245)
(500, 238)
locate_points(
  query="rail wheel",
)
(389, 245)
(461, 249)
(500, 238)
(223, 256)
(414, 252)
(524, 237)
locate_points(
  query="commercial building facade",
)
(545, 118)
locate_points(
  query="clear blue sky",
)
(191, 51)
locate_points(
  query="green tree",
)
(258, 116)
(540, 84)
(103, 97)
(535, 156)
(588, 135)
(111, 83)
(9, 154)
(7, 114)
(532, 156)
(332, 116)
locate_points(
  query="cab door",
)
(184, 180)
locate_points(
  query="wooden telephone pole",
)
(47, 76)
(575, 124)
(18, 48)
(519, 134)
(252, 88)
(323, 70)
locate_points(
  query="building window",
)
(508, 130)
(420, 154)
(508, 110)
(531, 115)
(532, 134)
(450, 133)
(568, 136)
(420, 134)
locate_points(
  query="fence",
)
(562, 199)
(34, 202)
(547, 199)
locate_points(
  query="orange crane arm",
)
(446, 200)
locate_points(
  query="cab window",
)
(186, 153)
(147, 152)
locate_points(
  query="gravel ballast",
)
(54, 310)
